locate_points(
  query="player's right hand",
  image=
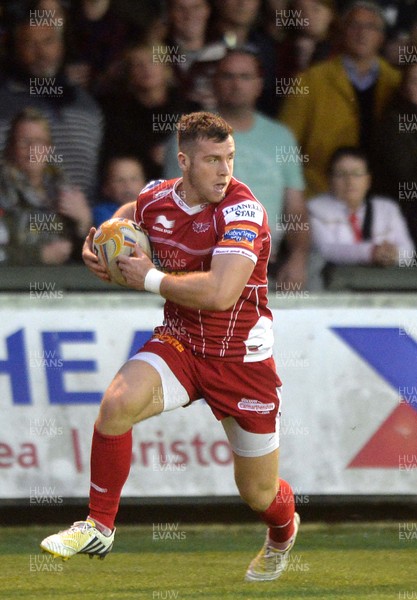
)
(90, 258)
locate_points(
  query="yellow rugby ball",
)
(115, 237)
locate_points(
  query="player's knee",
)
(258, 497)
(117, 401)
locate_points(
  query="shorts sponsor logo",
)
(169, 339)
(256, 406)
(244, 211)
(240, 235)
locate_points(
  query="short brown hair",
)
(202, 125)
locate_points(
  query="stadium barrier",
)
(349, 423)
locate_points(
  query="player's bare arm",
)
(127, 211)
(217, 289)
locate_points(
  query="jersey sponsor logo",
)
(242, 235)
(166, 225)
(200, 227)
(165, 222)
(239, 251)
(244, 211)
(256, 406)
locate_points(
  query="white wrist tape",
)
(153, 280)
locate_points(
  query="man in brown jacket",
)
(339, 101)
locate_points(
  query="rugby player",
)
(216, 341)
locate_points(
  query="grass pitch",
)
(184, 562)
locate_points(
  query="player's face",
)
(350, 181)
(207, 170)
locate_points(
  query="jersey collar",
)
(190, 210)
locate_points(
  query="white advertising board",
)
(349, 422)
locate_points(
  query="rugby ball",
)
(115, 237)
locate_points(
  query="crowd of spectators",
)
(315, 90)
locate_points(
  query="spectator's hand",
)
(90, 258)
(56, 253)
(73, 204)
(293, 273)
(385, 254)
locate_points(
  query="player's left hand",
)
(134, 268)
(90, 257)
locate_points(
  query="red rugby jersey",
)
(184, 239)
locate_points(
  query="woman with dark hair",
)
(349, 226)
(42, 219)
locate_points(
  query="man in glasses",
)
(342, 98)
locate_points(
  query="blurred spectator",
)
(49, 10)
(36, 79)
(272, 15)
(401, 47)
(144, 17)
(398, 14)
(124, 178)
(413, 30)
(394, 47)
(193, 60)
(396, 149)
(310, 37)
(341, 100)
(261, 147)
(98, 38)
(143, 111)
(348, 225)
(37, 12)
(237, 23)
(42, 219)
